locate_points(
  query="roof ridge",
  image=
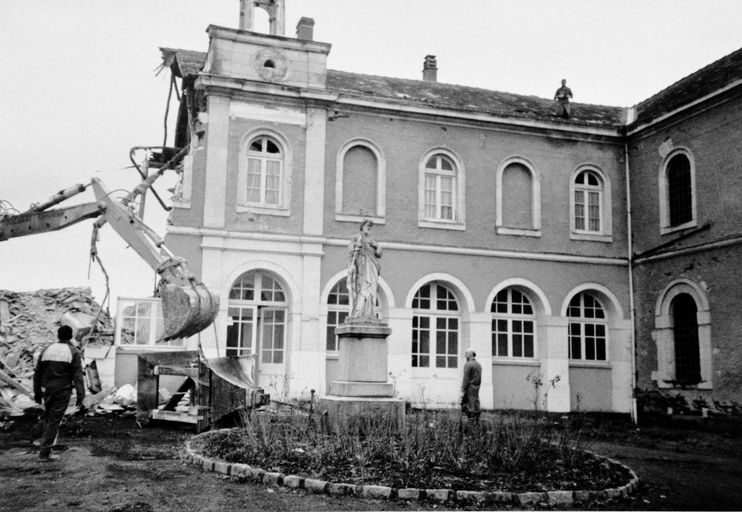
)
(687, 78)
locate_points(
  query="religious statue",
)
(562, 96)
(363, 273)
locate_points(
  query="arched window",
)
(441, 191)
(435, 327)
(679, 190)
(263, 178)
(257, 314)
(685, 334)
(440, 188)
(337, 312)
(513, 324)
(587, 329)
(588, 202)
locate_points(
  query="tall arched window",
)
(337, 312)
(441, 191)
(679, 190)
(263, 177)
(435, 327)
(588, 202)
(257, 315)
(440, 188)
(587, 328)
(513, 324)
(685, 334)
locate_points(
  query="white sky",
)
(78, 88)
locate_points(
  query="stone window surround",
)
(606, 207)
(663, 333)
(379, 215)
(664, 200)
(284, 209)
(459, 221)
(535, 229)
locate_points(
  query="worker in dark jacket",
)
(470, 386)
(58, 370)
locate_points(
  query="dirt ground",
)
(110, 464)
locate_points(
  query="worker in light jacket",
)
(470, 386)
(57, 372)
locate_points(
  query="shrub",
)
(433, 448)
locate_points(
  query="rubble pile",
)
(29, 322)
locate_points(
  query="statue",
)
(562, 96)
(363, 274)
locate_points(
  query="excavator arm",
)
(188, 307)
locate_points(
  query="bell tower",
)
(276, 15)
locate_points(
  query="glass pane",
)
(424, 342)
(600, 349)
(446, 164)
(271, 147)
(128, 329)
(440, 342)
(144, 309)
(517, 345)
(528, 346)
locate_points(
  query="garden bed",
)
(434, 450)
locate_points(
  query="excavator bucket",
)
(187, 310)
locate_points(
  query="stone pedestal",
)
(362, 388)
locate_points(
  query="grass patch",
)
(433, 450)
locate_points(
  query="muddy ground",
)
(110, 464)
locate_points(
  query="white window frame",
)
(509, 317)
(377, 216)
(664, 193)
(535, 229)
(433, 315)
(282, 208)
(258, 306)
(153, 322)
(605, 233)
(458, 222)
(583, 321)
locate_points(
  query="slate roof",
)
(467, 99)
(460, 98)
(713, 77)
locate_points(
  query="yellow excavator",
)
(188, 306)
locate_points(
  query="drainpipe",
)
(632, 313)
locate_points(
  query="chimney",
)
(430, 69)
(305, 29)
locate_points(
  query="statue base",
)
(362, 388)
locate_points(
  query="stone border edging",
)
(245, 472)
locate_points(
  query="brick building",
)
(504, 227)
